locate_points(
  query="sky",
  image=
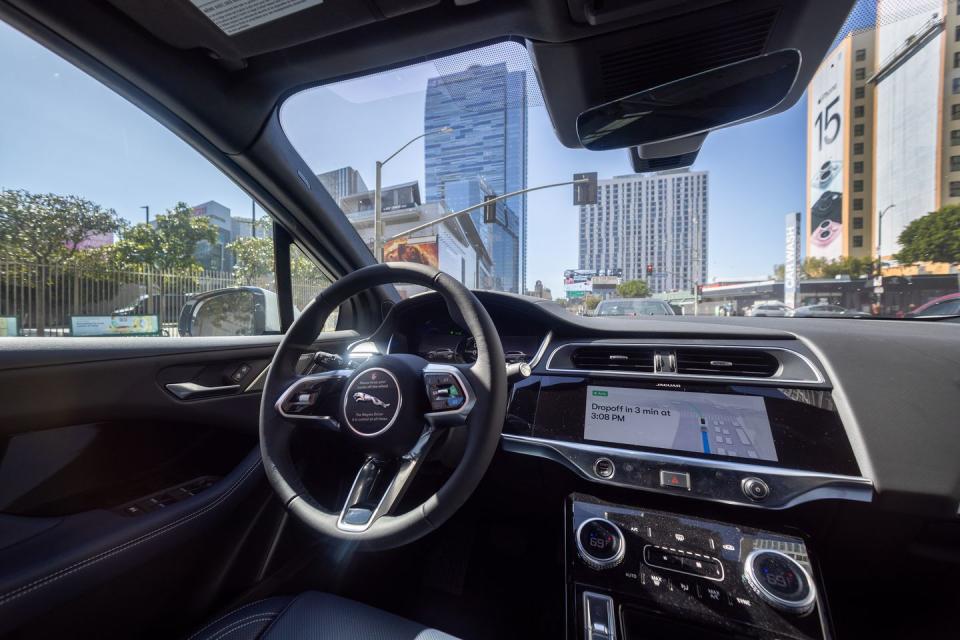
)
(74, 136)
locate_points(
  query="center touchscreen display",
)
(714, 423)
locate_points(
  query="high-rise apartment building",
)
(486, 107)
(883, 130)
(840, 118)
(649, 222)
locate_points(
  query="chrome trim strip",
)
(306, 380)
(542, 350)
(687, 376)
(823, 486)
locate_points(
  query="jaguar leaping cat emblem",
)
(359, 396)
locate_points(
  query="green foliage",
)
(47, 228)
(167, 245)
(254, 259)
(633, 289)
(935, 237)
(591, 302)
(846, 266)
(779, 272)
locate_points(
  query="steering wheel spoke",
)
(311, 399)
(375, 492)
(449, 394)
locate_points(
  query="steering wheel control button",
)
(371, 402)
(675, 480)
(755, 488)
(444, 391)
(780, 581)
(601, 543)
(604, 468)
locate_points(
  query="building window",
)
(857, 186)
(956, 86)
(954, 163)
(954, 189)
(858, 166)
(859, 92)
(956, 59)
(858, 223)
(858, 129)
(956, 34)
(858, 241)
(955, 138)
(955, 112)
(858, 148)
(858, 204)
(860, 55)
(858, 111)
(859, 73)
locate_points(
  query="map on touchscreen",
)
(714, 423)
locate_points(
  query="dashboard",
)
(774, 450)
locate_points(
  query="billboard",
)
(422, 250)
(791, 262)
(102, 326)
(825, 145)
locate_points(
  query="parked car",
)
(634, 307)
(768, 310)
(826, 311)
(165, 305)
(947, 305)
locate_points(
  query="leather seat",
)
(313, 616)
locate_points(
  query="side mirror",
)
(237, 311)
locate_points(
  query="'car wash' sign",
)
(791, 263)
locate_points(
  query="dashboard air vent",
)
(613, 358)
(747, 363)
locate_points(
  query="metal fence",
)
(43, 298)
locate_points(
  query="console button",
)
(675, 480)
(662, 558)
(604, 468)
(755, 488)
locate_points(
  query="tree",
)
(50, 229)
(254, 258)
(846, 266)
(167, 245)
(933, 238)
(633, 289)
(590, 302)
(779, 272)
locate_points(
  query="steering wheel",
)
(392, 408)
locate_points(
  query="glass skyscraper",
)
(486, 106)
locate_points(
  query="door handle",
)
(194, 391)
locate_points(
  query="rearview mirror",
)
(692, 105)
(237, 311)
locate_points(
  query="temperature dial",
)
(780, 581)
(601, 543)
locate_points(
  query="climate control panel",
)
(720, 577)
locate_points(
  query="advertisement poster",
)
(420, 250)
(9, 327)
(94, 326)
(825, 133)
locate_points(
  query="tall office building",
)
(486, 106)
(342, 182)
(840, 137)
(649, 219)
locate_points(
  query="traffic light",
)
(649, 269)
(585, 192)
(489, 210)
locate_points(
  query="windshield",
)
(846, 201)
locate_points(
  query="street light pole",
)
(377, 193)
(147, 209)
(880, 215)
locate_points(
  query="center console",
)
(633, 573)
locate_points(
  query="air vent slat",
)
(752, 363)
(636, 359)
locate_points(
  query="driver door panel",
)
(106, 474)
